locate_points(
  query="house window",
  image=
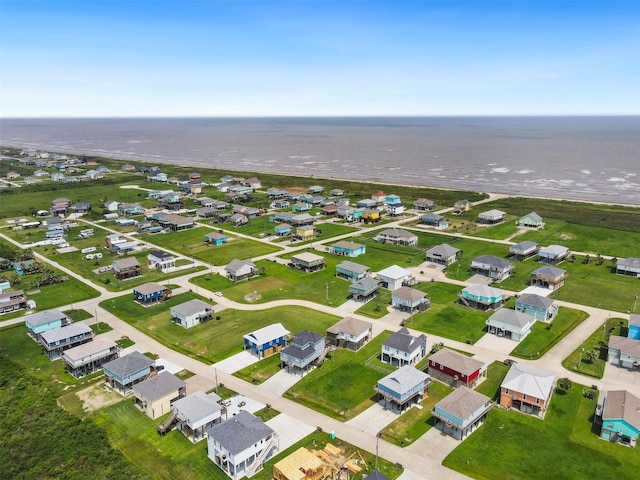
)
(537, 400)
(524, 396)
(506, 391)
(441, 367)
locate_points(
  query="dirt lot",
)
(98, 396)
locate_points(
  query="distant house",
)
(60, 206)
(349, 249)
(206, 212)
(509, 323)
(620, 417)
(123, 373)
(628, 266)
(282, 229)
(378, 196)
(394, 206)
(352, 271)
(176, 223)
(403, 388)
(306, 349)
(394, 277)
(364, 289)
(531, 220)
(624, 352)
(300, 207)
(493, 267)
(111, 205)
(462, 206)
(491, 217)
(548, 277)
(527, 389)
(423, 204)
(461, 412)
(266, 341)
(315, 190)
(523, 250)
(397, 236)
(276, 193)
(26, 267)
(553, 254)
(215, 238)
(238, 220)
(155, 395)
(368, 215)
(195, 414)
(306, 232)
(151, 293)
(402, 348)
(55, 341)
(241, 445)
(308, 262)
(191, 313)
(238, 270)
(540, 308)
(41, 322)
(481, 297)
(127, 267)
(128, 168)
(443, 254)
(12, 300)
(89, 357)
(350, 333)
(410, 300)
(161, 260)
(434, 220)
(336, 192)
(456, 369)
(129, 209)
(81, 207)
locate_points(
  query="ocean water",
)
(582, 158)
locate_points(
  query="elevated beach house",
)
(308, 262)
(151, 293)
(548, 277)
(491, 217)
(123, 373)
(305, 350)
(530, 220)
(394, 277)
(456, 369)
(523, 250)
(155, 395)
(527, 389)
(434, 220)
(397, 236)
(89, 357)
(541, 308)
(364, 289)
(352, 271)
(628, 266)
(266, 341)
(194, 415)
(481, 297)
(461, 412)
(443, 254)
(403, 388)
(510, 324)
(57, 340)
(410, 300)
(41, 322)
(349, 249)
(620, 417)
(238, 270)
(553, 254)
(191, 313)
(402, 348)
(493, 267)
(350, 333)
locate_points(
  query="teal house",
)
(481, 297)
(41, 322)
(348, 249)
(620, 417)
(215, 238)
(540, 308)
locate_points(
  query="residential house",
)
(461, 412)
(241, 445)
(60, 206)
(462, 206)
(349, 249)
(204, 201)
(300, 465)
(158, 177)
(12, 300)
(394, 206)
(620, 417)
(171, 201)
(161, 260)
(634, 326)
(493, 267)
(127, 267)
(424, 204)
(315, 190)
(123, 373)
(206, 212)
(57, 177)
(238, 220)
(53, 223)
(80, 207)
(369, 215)
(378, 197)
(25, 267)
(215, 238)
(195, 414)
(308, 262)
(443, 254)
(279, 204)
(293, 219)
(303, 351)
(624, 352)
(253, 182)
(402, 348)
(249, 212)
(282, 229)
(300, 207)
(111, 205)
(129, 209)
(128, 168)
(191, 313)
(434, 220)
(238, 270)
(13, 175)
(531, 220)
(410, 300)
(306, 232)
(40, 173)
(403, 388)
(55, 341)
(41, 322)
(350, 333)
(336, 192)
(509, 323)
(492, 217)
(177, 223)
(523, 250)
(94, 175)
(89, 357)
(527, 389)
(266, 341)
(456, 369)
(151, 293)
(481, 297)
(364, 289)
(349, 213)
(628, 266)
(540, 308)
(394, 277)
(125, 248)
(352, 271)
(276, 193)
(155, 395)
(553, 254)
(548, 277)
(397, 236)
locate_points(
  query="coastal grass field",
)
(260, 371)
(512, 446)
(496, 371)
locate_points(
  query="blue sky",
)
(139, 58)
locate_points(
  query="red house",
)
(456, 369)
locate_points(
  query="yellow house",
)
(306, 232)
(155, 395)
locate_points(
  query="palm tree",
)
(565, 384)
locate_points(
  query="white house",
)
(161, 260)
(394, 277)
(510, 324)
(191, 313)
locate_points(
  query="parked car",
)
(218, 294)
(509, 361)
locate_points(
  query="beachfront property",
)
(352, 271)
(510, 324)
(350, 333)
(402, 348)
(368, 203)
(410, 300)
(191, 313)
(462, 206)
(624, 352)
(443, 254)
(240, 446)
(456, 369)
(308, 262)
(266, 341)
(493, 267)
(123, 373)
(481, 297)
(128, 267)
(397, 236)
(238, 270)
(216, 239)
(403, 388)
(305, 350)
(434, 220)
(394, 277)
(364, 289)
(553, 254)
(348, 213)
(348, 249)
(548, 277)
(530, 220)
(41, 322)
(12, 300)
(541, 308)
(491, 217)
(628, 266)
(394, 206)
(424, 204)
(193, 415)
(151, 293)
(461, 412)
(89, 357)
(155, 395)
(527, 389)
(57, 340)
(620, 417)
(523, 250)
(161, 260)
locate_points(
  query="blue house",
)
(306, 349)
(461, 412)
(634, 327)
(44, 321)
(283, 229)
(481, 297)
(266, 341)
(403, 388)
(24, 267)
(124, 372)
(349, 249)
(352, 271)
(540, 308)
(151, 292)
(620, 417)
(215, 238)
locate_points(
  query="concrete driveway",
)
(373, 419)
(280, 382)
(236, 362)
(495, 344)
(290, 430)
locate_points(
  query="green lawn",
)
(342, 387)
(216, 339)
(260, 371)
(78, 314)
(377, 308)
(491, 385)
(544, 336)
(597, 344)
(513, 446)
(502, 231)
(415, 422)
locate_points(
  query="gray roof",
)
(96, 346)
(197, 405)
(492, 214)
(522, 247)
(42, 318)
(126, 262)
(148, 288)
(239, 432)
(511, 317)
(159, 386)
(622, 404)
(405, 342)
(530, 381)
(456, 361)
(535, 300)
(549, 271)
(350, 325)
(237, 265)
(353, 267)
(403, 379)
(57, 334)
(306, 337)
(627, 346)
(348, 245)
(443, 250)
(533, 215)
(191, 307)
(129, 364)
(462, 402)
(366, 284)
(634, 320)
(431, 217)
(629, 262)
(408, 293)
(493, 261)
(553, 250)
